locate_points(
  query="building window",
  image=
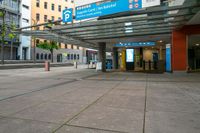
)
(72, 56)
(49, 57)
(41, 56)
(45, 56)
(45, 40)
(77, 47)
(72, 1)
(68, 56)
(52, 7)
(59, 18)
(59, 8)
(45, 5)
(37, 56)
(72, 46)
(37, 3)
(65, 7)
(37, 16)
(45, 18)
(78, 57)
(66, 46)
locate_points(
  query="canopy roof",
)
(158, 21)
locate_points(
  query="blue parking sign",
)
(67, 15)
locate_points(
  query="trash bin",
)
(47, 66)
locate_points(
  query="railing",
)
(157, 66)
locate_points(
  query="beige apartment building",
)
(45, 10)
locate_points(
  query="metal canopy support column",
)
(102, 55)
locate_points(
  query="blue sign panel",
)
(129, 55)
(67, 15)
(135, 44)
(168, 58)
(100, 9)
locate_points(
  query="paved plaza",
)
(66, 100)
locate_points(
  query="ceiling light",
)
(197, 44)
(128, 28)
(128, 24)
(128, 31)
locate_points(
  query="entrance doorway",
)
(59, 58)
(194, 53)
(24, 53)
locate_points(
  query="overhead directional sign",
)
(135, 44)
(111, 7)
(67, 15)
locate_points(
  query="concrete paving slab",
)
(11, 125)
(168, 97)
(72, 129)
(128, 91)
(49, 93)
(95, 84)
(79, 97)
(132, 85)
(172, 122)
(13, 105)
(191, 90)
(34, 84)
(108, 118)
(7, 92)
(50, 112)
(123, 102)
(171, 106)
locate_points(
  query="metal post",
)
(34, 51)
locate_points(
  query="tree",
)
(3, 34)
(12, 37)
(48, 46)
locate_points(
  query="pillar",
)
(102, 55)
(123, 60)
(160, 53)
(179, 51)
(115, 58)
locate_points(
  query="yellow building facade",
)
(44, 10)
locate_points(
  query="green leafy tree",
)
(48, 46)
(3, 33)
(12, 36)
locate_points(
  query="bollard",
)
(47, 66)
(75, 65)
